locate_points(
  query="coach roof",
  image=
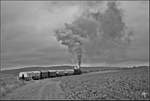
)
(52, 70)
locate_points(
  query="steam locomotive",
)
(36, 75)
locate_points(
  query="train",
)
(42, 74)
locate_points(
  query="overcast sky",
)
(27, 36)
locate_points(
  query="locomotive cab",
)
(77, 70)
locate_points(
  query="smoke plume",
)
(97, 34)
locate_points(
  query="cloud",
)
(27, 27)
(27, 30)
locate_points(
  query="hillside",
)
(131, 84)
(102, 83)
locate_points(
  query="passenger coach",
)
(52, 73)
(35, 75)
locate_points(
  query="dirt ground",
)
(47, 89)
(39, 90)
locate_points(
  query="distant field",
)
(125, 84)
(84, 69)
(16, 71)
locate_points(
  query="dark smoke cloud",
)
(113, 36)
(95, 34)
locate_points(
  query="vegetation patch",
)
(132, 84)
(8, 83)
